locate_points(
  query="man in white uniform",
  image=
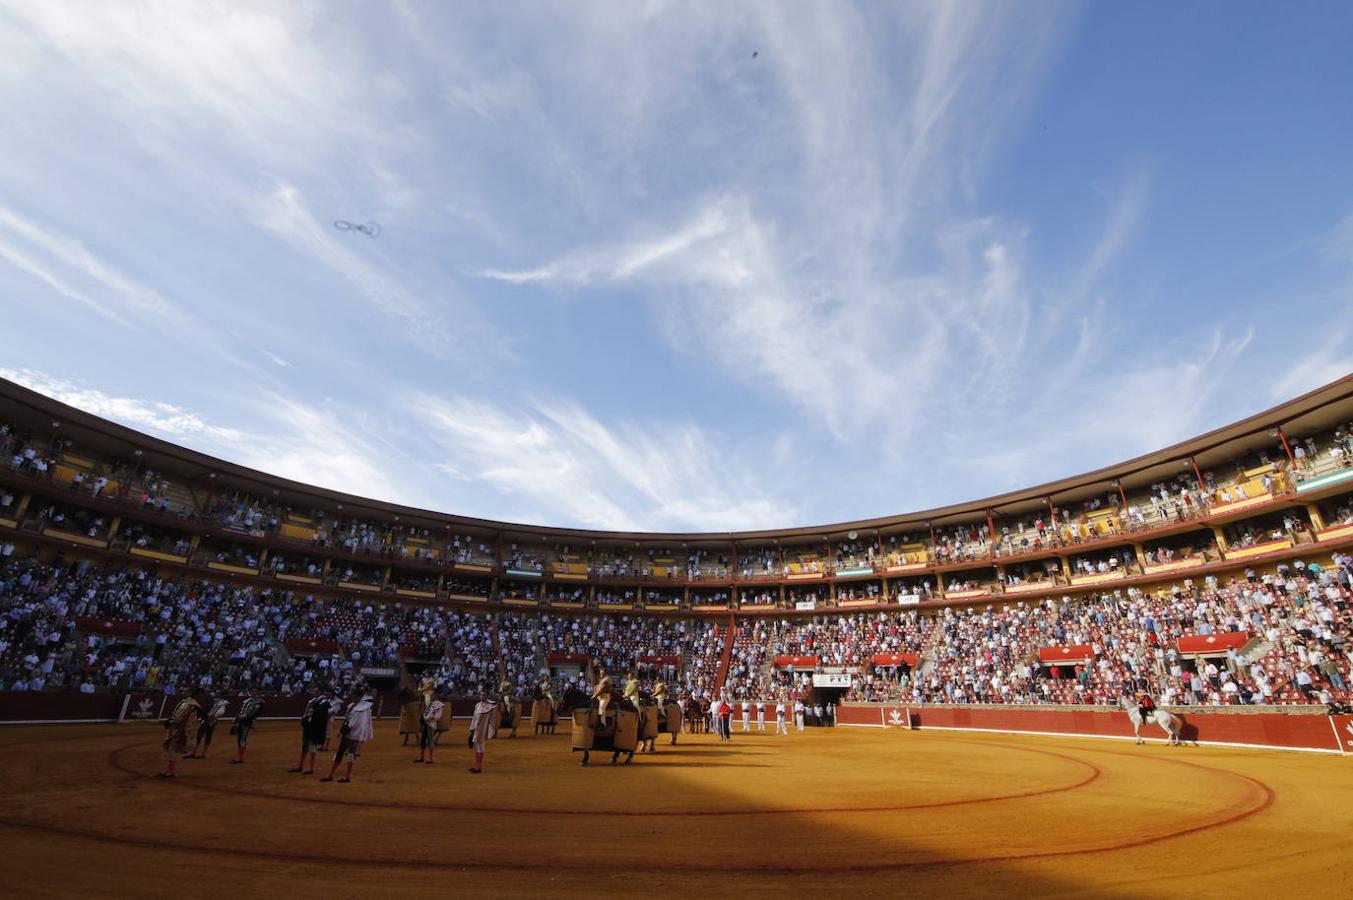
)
(781, 726)
(746, 716)
(355, 731)
(761, 717)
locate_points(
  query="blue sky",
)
(675, 266)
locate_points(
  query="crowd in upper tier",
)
(309, 537)
(74, 625)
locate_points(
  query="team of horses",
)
(624, 728)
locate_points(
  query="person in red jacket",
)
(725, 720)
(1146, 707)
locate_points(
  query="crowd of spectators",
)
(468, 661)
(1297, 647)
(1297, 621)
(76, 519)
(154, 537)
(182, 633)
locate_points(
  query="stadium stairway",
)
(766, 674)
(928, 652)
(497, 647)
(730, 632)
(1256, 651)
(181, 496)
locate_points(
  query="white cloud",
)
(629, 259)
(860, 353)
(1324, 355)
(76, 261)
(554, 462)
(312, 445)
(25, 263)
(158, 418)
(285, 213)
(854, 284)
(1325, 360)
(1153, 401)
(231, 108)
(320, 445)
(1128, 205)
(1338, 246)
(275, 359)
(256, 76)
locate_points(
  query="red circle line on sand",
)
(115, 760)
(1267, 797)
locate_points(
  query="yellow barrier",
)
(297, 532)
(155, 554)
(1258, 549)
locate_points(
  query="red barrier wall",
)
(41, 706)
(1270, 728)
(150, 706)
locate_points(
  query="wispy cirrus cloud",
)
(858, 281)
(556, 462)
(285, 213)
(255, 76)
(310, 444)
(63, 262)
(156, 417)
(551, 462)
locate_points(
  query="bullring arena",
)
(861, 810)
(956, 684)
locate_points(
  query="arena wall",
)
(69, 707)
(1274, 728)
(32, 707)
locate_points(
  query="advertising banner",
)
(896, 717)
(144, 706)
(1343, 729)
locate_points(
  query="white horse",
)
(1169, 723)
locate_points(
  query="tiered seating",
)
(708, 565)
(75, 625)
(903, 554)
(748, 659)
(704, 655)
(613, 562)
(857, 553)
(577, 595)
(520, 648)
(758, 562)
(526, 559)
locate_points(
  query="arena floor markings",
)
(877, 812)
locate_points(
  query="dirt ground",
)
(846, 810)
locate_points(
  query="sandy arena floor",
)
(844, 810)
